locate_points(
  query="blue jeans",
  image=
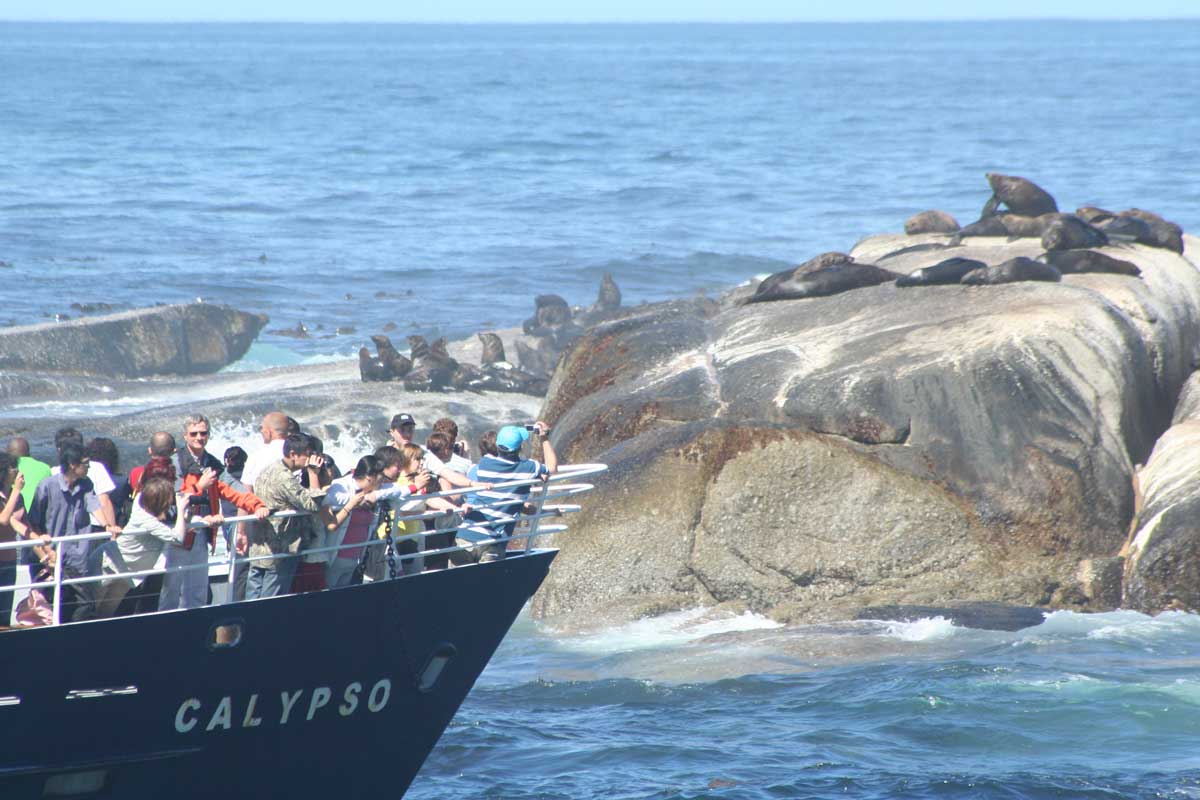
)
(272, 581)
(8, 579)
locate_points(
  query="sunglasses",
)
(198, 434)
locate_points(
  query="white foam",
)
(346, 448)
(930, 629)
(676, 628)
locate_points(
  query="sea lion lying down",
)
(827, 274)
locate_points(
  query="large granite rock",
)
(918, 446)
(179, 339)
(1162, 561)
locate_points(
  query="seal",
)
(1026, 227)
(372, 368)
(537, 361)
(985, 226)
(493, 348)
(551, 311)
(827, 274)
(418, 348)
(431, 372)
(1070, 262)
(1163, 234)
(609, 297)
(1130, 229)
(1019, 195)
(1012, 271)
(396, 363)
(1069, 232)
(931, 221)
(951, 270)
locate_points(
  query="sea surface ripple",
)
(439, 176)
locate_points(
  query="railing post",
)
(537, 515)
(58, 587)
(231, 552)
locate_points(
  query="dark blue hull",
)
(321, 698)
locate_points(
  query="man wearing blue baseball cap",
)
(495, 507)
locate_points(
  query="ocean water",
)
(686, 706)
(438, 177)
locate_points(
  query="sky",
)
(467, 11)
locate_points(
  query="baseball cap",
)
(511, 437)
(400, 420)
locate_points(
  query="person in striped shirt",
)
(495, 508)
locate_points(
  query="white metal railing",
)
(541, 489)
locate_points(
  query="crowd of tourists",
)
(156, 527)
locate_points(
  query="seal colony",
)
(1017, 208)
(429, 367)
(923, 416)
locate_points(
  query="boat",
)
(330, 694)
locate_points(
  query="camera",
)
(531, 428)
(199, 501)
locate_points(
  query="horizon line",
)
(780, 21)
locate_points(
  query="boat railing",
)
(541, 491)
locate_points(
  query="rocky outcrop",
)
(1162, 560)
(880, 446)
(179, 340)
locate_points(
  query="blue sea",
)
(439, 177)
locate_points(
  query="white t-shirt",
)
(260, 459)
(101, 484)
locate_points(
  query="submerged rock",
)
(179, 340)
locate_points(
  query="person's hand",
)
(466, 508)
(115, 530)
(316, 462)
(241, 544)
(262, 512)
(207, 477)
(542, 428)
(214, 519)
(355, 500)
(422, 479)
(182, 499)
(18, 483)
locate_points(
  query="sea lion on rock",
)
(418, 348)
(550, 311)
(1069, 232)
(438, 351)
(1026, 227)
(433, 369)
(537, 361)
(1012, 271)
(1128, 228)
(1070, 262)
(1019, 195)
(493, 348)
(372, 368)
(609, 297)
(985, 226)
(827, 274)
(1163, 234)
(397, 364)
(931, 221)
(1090, 214)
(951, 270)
